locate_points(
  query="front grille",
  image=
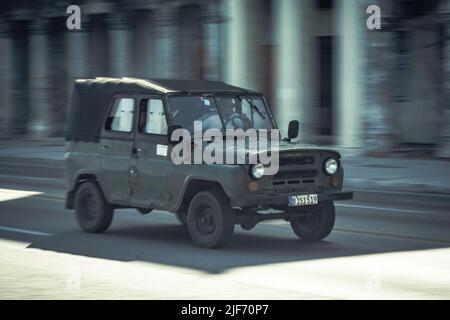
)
(293, 161)
(297, 174)
(295, 169)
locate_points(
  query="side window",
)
(121, 116)
(152, 118)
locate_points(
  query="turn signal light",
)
(252, 186)
(334, 181)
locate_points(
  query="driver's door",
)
(150, 155)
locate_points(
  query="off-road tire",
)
(210, 219)
(316, 226)
(92, 211)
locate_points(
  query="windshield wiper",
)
(254, 107)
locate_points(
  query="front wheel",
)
(210, 219)
(317, 225)
(94, 214)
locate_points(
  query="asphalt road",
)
(385, 245)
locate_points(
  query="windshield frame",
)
(214, 95)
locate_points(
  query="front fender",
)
(232, 178)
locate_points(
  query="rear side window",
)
(121, 116)
(152, 117)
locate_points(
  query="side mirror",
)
(170, 131)
(293, 129)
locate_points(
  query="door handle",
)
(103, 147)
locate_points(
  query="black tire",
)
(210, 219)
(316, 226)
(143, 211)
(182, 218)
(93, 213)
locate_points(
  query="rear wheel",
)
(93, 213)
(143, 211)
(317, 225)
(210, 219)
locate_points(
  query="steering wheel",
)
(246, 124)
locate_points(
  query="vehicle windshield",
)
(219, 112)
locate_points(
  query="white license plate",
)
(303, 200)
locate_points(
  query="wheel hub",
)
(89, 206)
(206, 221)
(307, 221)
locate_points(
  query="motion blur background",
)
(379, 92)
(380, 97)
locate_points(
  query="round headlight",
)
(330, 166)
(257, 171)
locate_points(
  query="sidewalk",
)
(52, 148)
(361, 172)
(394, 174)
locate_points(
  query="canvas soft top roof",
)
(197, 86)
(91, 98)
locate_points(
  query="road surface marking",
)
(428, 194)
(389, 235)
(365, 232)
(34, 233)
(50, 197)
(12, 194)
(379, 208)
(30, 178)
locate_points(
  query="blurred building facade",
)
(316, 61)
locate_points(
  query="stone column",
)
(120, 45)
(444, 143)
(378, 65)
(40, 122)
(19, 76)
(98, 45)
(78, 58)
(5, 78)
(213, 45)
(77, 44)
(349, 73)
(190, 42)
(165, 63)
(237, 46)
(58, 75)
(143, 45)
(289, 72)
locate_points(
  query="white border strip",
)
(34, 233)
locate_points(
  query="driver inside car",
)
(233, 119)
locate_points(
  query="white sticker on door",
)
(161, 150)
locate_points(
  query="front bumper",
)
(281, 199)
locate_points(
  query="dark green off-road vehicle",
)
(119, 144)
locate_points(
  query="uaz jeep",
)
(119, 144)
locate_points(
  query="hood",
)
(282, 147)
